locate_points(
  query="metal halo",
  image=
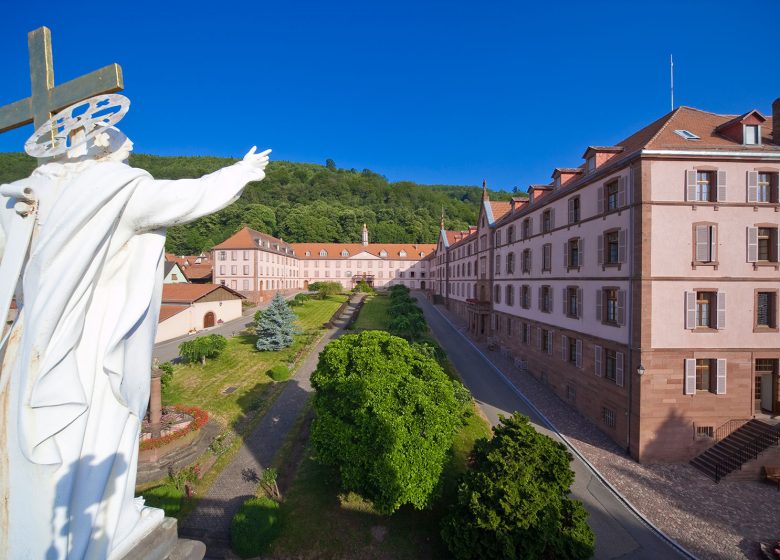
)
(93, 115)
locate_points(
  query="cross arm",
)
(106, 80)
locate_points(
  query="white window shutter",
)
(600, 196)
(597, 360)
(752, 186)
(721, 318)
(565, 254)
(690, 310)
(622, 246)
(702, 243)
(578, 349)
(601, 248)
(721, 186)
(713, 243)
(720, 387)
(690, 183)
(564, 347)
(552, 301)
(690, 377)
(579, 302)
(571, 210)
(622, 181)
(619, 376)
(580, 251)
(599, 296)
(752, 244)
(621, 307)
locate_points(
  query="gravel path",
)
(210, 521)
(714, 521)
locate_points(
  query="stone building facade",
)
(642, 286)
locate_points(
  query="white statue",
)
(74, 383)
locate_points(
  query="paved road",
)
(619, 532)
(169, 350)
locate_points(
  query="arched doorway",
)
(208, 320)
(305, 284)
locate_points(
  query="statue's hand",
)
(257, 161)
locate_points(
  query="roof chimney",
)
(776, 122)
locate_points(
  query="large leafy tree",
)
(275, 325)
(513, 501)
(198, 349)
(385, 418)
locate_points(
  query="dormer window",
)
(422, 254)
(345, 253)
(323, 253)
(307, 253)
(752, 134)
(591, 164)
(402, 254)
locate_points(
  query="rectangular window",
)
(704, 375)
(510, 263)
(766, 310)
(752, 136)
(571, 351)
(705, 431)
(545, 299)
(705, 186)
(233, 270)
(545, 340)
(527, 260)
(498, 264)
(612, 247)
(547, 221)
(511, 234)
(705, 243)
(573, 259)
(233, 255)
(608, 417)
(611, 305)
(525, 332)
(764, 187)
(547, 257)
(246, 285)
(611, 195)
(222, 256)
(705, 302)
(610, 364)
(573, 301)
(525, 296)
(246, 255)
(765, 243)
(527, 228)
(498, 238)
(574, 209)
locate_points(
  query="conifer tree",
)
(275, 325)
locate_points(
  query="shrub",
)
(385, 417)
(167, 373)
(363, 287)
(513, 501)
(198, 349)
(325, 289)
(255, 526)
(275, 325)
(299, 299)
(279, 373)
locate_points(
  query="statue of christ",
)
(74, 382)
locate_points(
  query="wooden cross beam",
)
(46, 99)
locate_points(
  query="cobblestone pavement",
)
(713, 521)
(210, 521)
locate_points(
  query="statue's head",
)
(84, 131)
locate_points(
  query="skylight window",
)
(687, 134)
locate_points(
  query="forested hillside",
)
(307, 202)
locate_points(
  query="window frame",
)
(612, 196)
(773, 311)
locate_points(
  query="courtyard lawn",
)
(374, 313)
(243, 367)
(319, 521)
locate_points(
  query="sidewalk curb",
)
(674, 544)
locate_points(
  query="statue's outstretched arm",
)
(158, 204)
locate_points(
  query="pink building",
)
(641, 286)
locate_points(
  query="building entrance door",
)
(766, 393)
(765, 390)
(208, 320)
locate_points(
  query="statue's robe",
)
(74, 383)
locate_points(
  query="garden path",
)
(210, 521)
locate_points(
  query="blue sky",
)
(435, 92)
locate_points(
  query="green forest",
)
(305, 202)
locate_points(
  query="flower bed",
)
(178, 429)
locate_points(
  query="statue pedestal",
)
(162, 542)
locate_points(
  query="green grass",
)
(254, 527)
(242, 366)
(165, 497)
(318, 521)
(373, 315)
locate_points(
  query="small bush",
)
(279, 373)
(255, 526)
(167, 373)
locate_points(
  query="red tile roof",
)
(168, 311)
(190, 293)
(198, 271)
(500, 209)
(247, 238)
(334, 250)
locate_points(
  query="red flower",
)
(200, 417)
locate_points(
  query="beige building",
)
(642, 285)
(188, 308)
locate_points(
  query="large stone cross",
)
(46, 99)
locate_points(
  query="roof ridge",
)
(670, 118)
